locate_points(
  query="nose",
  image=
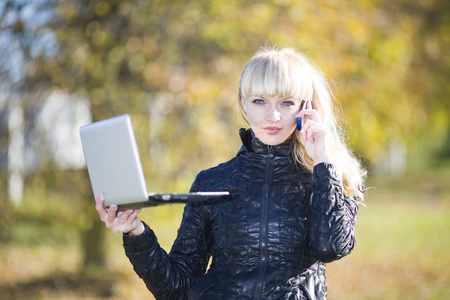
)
(273, 115)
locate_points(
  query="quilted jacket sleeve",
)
(170, 275)
(333, 216)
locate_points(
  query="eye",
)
(288, 103)
(258, 101)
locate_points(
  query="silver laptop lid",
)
(113, 161)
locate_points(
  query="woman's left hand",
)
(314, 135)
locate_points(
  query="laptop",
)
(115, 168)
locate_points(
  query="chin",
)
(272, 142)
(272, 139)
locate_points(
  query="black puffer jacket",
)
(269, 240)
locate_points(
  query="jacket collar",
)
(254, 145)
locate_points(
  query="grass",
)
(403, 243)
(402, 249)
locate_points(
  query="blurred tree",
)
(429, 74)
(20, 43)
(175, 65)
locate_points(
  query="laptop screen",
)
(113, 161)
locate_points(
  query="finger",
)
(114, 222)
(315, 133)
(305, 128)
(130, 223)
(304, 115)
(312, 114)
(308, 112)
(99, 206)
(123, 217)
(304, 131)
(308, 137)
(99, 201)
(124, 221)
(301, 113)
(111, 214)
(311, 123)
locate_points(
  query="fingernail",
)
(299, 124)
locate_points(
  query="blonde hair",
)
(285, 72)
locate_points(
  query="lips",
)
(272, 130)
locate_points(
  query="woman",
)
(292, 204)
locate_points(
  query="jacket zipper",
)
(264, 234)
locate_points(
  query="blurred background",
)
(174, 66)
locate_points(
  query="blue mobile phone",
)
(299, 120)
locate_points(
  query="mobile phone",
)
(299, 124)
(301, 121)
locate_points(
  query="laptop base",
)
(173, 198)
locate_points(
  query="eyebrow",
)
(286, 98)
(291, 98)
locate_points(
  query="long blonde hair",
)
(285, 72)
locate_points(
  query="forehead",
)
(276, 76)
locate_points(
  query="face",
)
(271, 118)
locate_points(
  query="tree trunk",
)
(6, 209)
(93, 248)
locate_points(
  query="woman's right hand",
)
(119, 221)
